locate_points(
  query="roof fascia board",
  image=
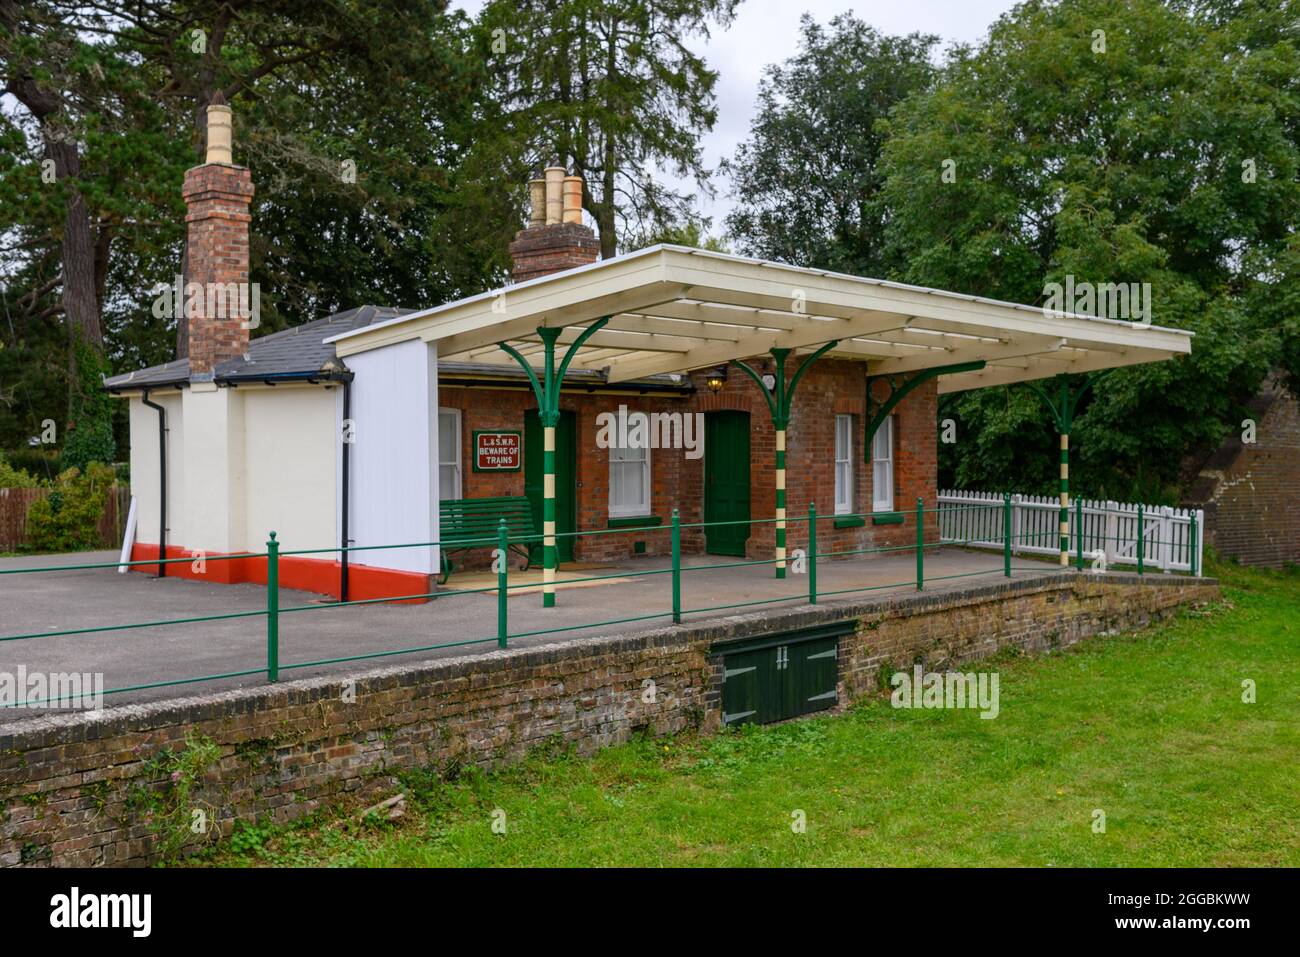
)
(1003, 375)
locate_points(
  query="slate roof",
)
(293, 352)
(300, 351)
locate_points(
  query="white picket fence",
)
(976, 519)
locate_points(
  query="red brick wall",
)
(830, 387)
(217, 198)
(504, 409)
(1251, 493)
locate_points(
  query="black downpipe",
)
(162, 483)
(347, 460)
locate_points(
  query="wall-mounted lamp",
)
(717, 379)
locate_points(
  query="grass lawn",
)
(1149, 728)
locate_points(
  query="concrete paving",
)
(312, 630)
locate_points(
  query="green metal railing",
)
(806, 561)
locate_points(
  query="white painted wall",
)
(213, 444)
(289, 479)
(394, 483)
(144, 466)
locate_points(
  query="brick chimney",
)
(217, 196)
(555, 238)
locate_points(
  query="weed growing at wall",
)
(168, 800)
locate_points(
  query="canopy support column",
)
(547, 392)
(1063, 417)
(778, 403)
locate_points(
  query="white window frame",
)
(844, 497)
(640, 509)
(879, 502)
(460, 484)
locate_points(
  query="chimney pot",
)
(573, 199)
(220, 138)
(554, 199)
(536, 202)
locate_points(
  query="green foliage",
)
(40, 463)
(169, 800)
(11, 477)
(67, 520)
(90, 429)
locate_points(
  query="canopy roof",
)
(676, 309)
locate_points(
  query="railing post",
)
(812, 554)
(1191, 543)
(1006, 534)
(272, 609)
(920, 543)
(1078, 531)
(503, 547)
(1141, 544)
(677, 568)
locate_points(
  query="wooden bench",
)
(465, 520)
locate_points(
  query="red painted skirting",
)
(296, 571)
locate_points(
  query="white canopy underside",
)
(673, 309)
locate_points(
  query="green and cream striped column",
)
(547, 391)
(549, 553)
(780, 502)
(778, 403)
(1065, 499)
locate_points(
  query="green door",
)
(566, 483)
(776, 677)
(751, 687)
(726, 481)
(810, 676)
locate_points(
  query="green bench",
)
(466, 520)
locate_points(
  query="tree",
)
(610, 88)
(807, 181)
(383, 171)
(1143, 143)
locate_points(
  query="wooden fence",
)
(14, 503)
(976, 519)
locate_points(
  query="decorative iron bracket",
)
(547, 391)
(780, 399)
(899, 387)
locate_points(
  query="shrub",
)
(41, 462)
(11, 477)
(67, 519)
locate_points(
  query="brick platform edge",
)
(73, 787)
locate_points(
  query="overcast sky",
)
(767, 31)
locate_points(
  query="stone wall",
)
(78, 790)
